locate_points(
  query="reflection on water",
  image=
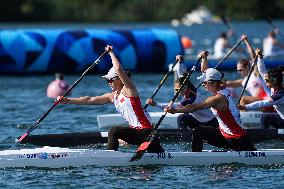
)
(136, 172)
(223, 172)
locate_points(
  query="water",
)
(23, 101)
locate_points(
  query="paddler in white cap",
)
(230, 133)
(126, 100)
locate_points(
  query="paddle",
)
(225, 57)
(250, 72)
(229, 26)
(225, 21)
(273, 26)
(57, 102)
(161, 83)
(144, 146)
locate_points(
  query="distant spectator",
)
(271, 46)
(180, 68)
(222, 44)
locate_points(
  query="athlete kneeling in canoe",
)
(230, 133)
(190, 95)
(256, 85)
(126, 100)
(273, 79)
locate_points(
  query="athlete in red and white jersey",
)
(273, 79)
(256, 85)
(229, 119)
(131, 110)
(230, 133)
(190, 95)
(126, 99)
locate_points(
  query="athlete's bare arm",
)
(129, 88)
(87, 100)
(217, 102)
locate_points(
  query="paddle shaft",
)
(227, 23)
(225, 57)
(143, 147)
(57, 102)
(249, 74)
(273, 26)
(177, 93)
(160, 85)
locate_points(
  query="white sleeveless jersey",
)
(229, 120)
(180, 69)
(131, 110)
(269, 48)
(219, 50)
(204, 115)
(256, 87)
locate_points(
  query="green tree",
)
(132, 10)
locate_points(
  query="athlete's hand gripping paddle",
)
(161, 83)
(249, 74)
(144, 146)
(225, 57)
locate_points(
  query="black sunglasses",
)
(112, 79)
(205, 82)
(176, 90)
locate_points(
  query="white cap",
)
(111, 74)
(211, 74)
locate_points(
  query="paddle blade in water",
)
(138, 155)
(140, 151)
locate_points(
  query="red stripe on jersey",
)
(262, 94)
(228, 119)
(139, 112)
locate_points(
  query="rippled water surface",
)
(23, 101)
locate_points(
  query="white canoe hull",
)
(170, 121)
(54, 157)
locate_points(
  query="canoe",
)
(166, 135)
(55, 157)
(106, 121)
